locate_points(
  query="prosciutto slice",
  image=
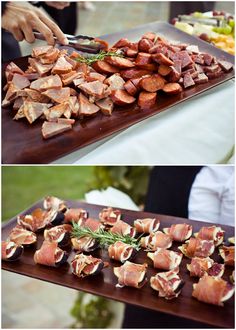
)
(34, 221)
(156, 240)
(228, 254)
(109, 216)
(131, 274)
(212, 290)
(168, 284)
(120, 251)
(75, 215)
(22, 236)
(50, 255)
(212, 233)
(84, 244)
(165, 259)
(146, 226)
(83, 265)
(197, 248)
(59, 234)
(179, 232)
(201, 266)
(123, 228)
(54, 203)
(11, 251)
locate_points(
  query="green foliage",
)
(98, 57)
(94, 313)
(132, 180)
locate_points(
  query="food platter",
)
(104, 283)
(23, 144)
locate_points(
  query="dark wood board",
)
(22, 143)
(104, 283)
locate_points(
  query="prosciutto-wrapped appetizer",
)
(123, 228)
(84, 244)
(109, 216)
(165, 259)
(83, 265)
(156, 240)
(212, 290)
(50, 255)
(131, 274)
(54, 203)
(59, 234)
(75, 215)
(11, 251)
(91, 223)
(231, 240)
(201, 266)
(168, 284)
(146, 226)
(197, 248)
(228, 254)
(212, 233)
(121, 252)
(179, 232)
(22, 236)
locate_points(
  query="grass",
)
(24, 185)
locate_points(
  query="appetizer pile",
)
(58, 89)
(67, 228)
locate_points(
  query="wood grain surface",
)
(104, 283)
(22, 143)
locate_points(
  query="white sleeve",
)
(212, 195)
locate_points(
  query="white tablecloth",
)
(197, 131)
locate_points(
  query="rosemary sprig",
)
(98, 57)
(105, 238)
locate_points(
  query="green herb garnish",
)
(98, 57)
(105, 238)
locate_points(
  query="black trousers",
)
(65, 18)
(168, 193)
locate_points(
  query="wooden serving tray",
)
(22, 143)
(104, 283)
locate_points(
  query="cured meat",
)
(228, 254)
(147, 100)
(131, 274)
(133, 73)
(121, 97)
(168, 284)
(143, 58)
(120, 62)
(50, 129)
(34, 221)
(153, 83)
(41, 69)
(130, 88)
(197, 248)
(21, 236)
(144, 45)
(94, 88)
(20, 81)
(212, 290)
(165, 259)
(57, 111)
(75, 214)
(212, 233)
(225, 65)
(62, 66)
(156, 240)
(120, 251)
(58, 95)
(179, 232)
(41, 50)
(12, 68)
(109, 216)
(94, 76)
(83, 265)
(90, 223)
(45, 83)
(115, 82)
(106, 105)
(36, 96)
(33, 110)
(201, 266)
(85, 107)
(54, 203)
(59, 234)
(84, 244)
(123, 228)
(162, 59)
(11, 251)
(50, 255)
(164, 70)
(172, 88)
(147, 225)
(104, 67)
(188, 80)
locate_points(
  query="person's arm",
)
(21, 18)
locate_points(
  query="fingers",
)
(17, 34)
(28, 33)
(58, 4)
(55, 29)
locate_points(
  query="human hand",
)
(58, 4)
(21, 18)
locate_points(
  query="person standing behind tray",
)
(19, 19)
(194, 192)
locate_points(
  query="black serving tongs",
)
(81, 43)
